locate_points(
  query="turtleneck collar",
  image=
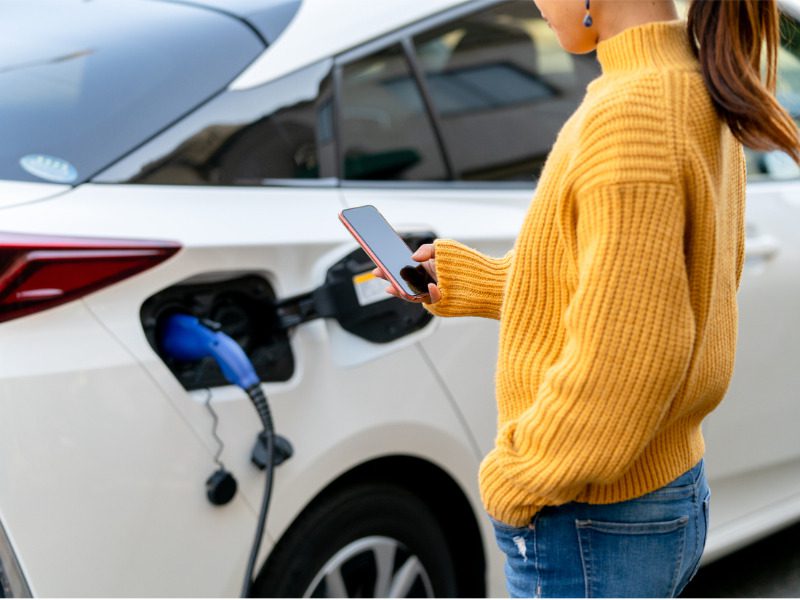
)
(655, 44)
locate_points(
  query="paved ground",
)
(767, 569)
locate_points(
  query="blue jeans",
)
(646, 547)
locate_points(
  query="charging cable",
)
(188, 338)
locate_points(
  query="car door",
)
(444, 128)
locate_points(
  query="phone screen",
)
(389, 248)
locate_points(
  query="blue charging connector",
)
(187, 338)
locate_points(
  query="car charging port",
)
(244, 308)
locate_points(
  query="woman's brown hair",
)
(731, 35)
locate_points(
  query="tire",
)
(368, 540)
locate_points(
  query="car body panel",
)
(97, 467)
(20, 192)
(752, 445)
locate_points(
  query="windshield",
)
(83, 83)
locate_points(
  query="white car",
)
(162, 157)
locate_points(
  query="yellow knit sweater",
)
(617, 305)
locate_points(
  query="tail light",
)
(38, 272)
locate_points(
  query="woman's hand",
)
(425, 256)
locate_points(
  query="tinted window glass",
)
(386, 132)
(276, 131)
(503, 87)
(82, 83)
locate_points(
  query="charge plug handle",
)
(283, 450)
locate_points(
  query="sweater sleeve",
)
(471, 283)
(629, 335)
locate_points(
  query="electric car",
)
(190, 157)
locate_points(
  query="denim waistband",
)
(690, 477)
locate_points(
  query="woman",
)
(617, 305)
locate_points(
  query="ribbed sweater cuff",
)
(503, 500)
(470, 282)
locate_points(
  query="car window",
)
(282, 130)
(386, 132)
(83, 83)
(502, 87)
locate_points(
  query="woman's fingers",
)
(430, 267)
(434, 293)
(425, 256)
(424, 252)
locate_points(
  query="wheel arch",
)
(438, 490)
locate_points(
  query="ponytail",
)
(730, 35)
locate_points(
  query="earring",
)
(587, 20)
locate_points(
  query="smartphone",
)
(387, 250)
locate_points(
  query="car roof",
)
(325, 28)
(268, 17)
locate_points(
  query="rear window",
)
(83, 83)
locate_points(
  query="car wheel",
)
(369, 540)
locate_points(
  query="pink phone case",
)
(377, 261)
